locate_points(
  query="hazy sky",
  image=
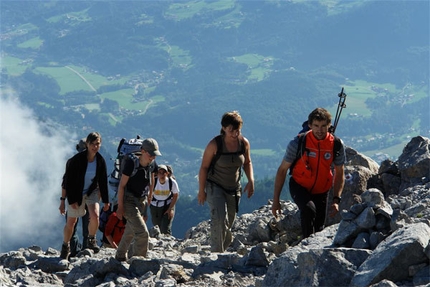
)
(32, 160)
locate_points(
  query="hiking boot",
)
(65, 251)
(92, 244)
(120, 258)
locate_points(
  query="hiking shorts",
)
(93, 198)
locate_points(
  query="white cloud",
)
(32, 160)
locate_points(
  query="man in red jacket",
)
(312, 176)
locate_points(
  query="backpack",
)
(219, 152)
(103, 219)
(170, 171)
(126, 149)
(116, 227)
(170, 188)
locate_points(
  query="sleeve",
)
(341, 158)
(70, 178)
(128, 167)
(63, 183)
(291, 151)
(175, 186)
(103, 181)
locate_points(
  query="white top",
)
(162, 192)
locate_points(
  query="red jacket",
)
(115, 227)
(313, 169)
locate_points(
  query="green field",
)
(184, 10)
(72, 18)
(33, 43)
(258, 65)
(73, 78)
(14, 66)
(181, 58)
(68, 80)
(359, 91)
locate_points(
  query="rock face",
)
(381, 238)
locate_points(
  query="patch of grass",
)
(181, 58)
(96, 80)
(75, 78)
(33, 43)
(259, 66)
(66, 79)
(336, 7)
(92, 107)
(46, 105)
(124, 98)
(359, 91)
(23, 29)
(184, 10)
(393, 151)
(145, 19)
(231, 20)
(14, 66)
(71, 18)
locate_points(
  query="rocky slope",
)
(381, 238)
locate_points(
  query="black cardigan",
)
(75, 178)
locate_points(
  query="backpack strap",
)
(301, 148)
(219, 152)
(136, 163)
(218, 140)
(337, 146)
(170, 188)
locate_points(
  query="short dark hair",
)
(232, 118)
(319, 114)
(93, 136)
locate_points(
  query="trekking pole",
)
(340, 106)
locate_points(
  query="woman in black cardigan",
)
(85, 182)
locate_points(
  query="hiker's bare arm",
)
(62, 207)
(247, 167)
(339, 182)
(121, 188)
(208, 154)
(281, 175)
(111, 242)
(151, 188)
(171, 210)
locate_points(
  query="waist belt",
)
(157, 201)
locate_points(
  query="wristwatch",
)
(338, 199)
(62, 198)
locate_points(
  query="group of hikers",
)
(315, 159)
